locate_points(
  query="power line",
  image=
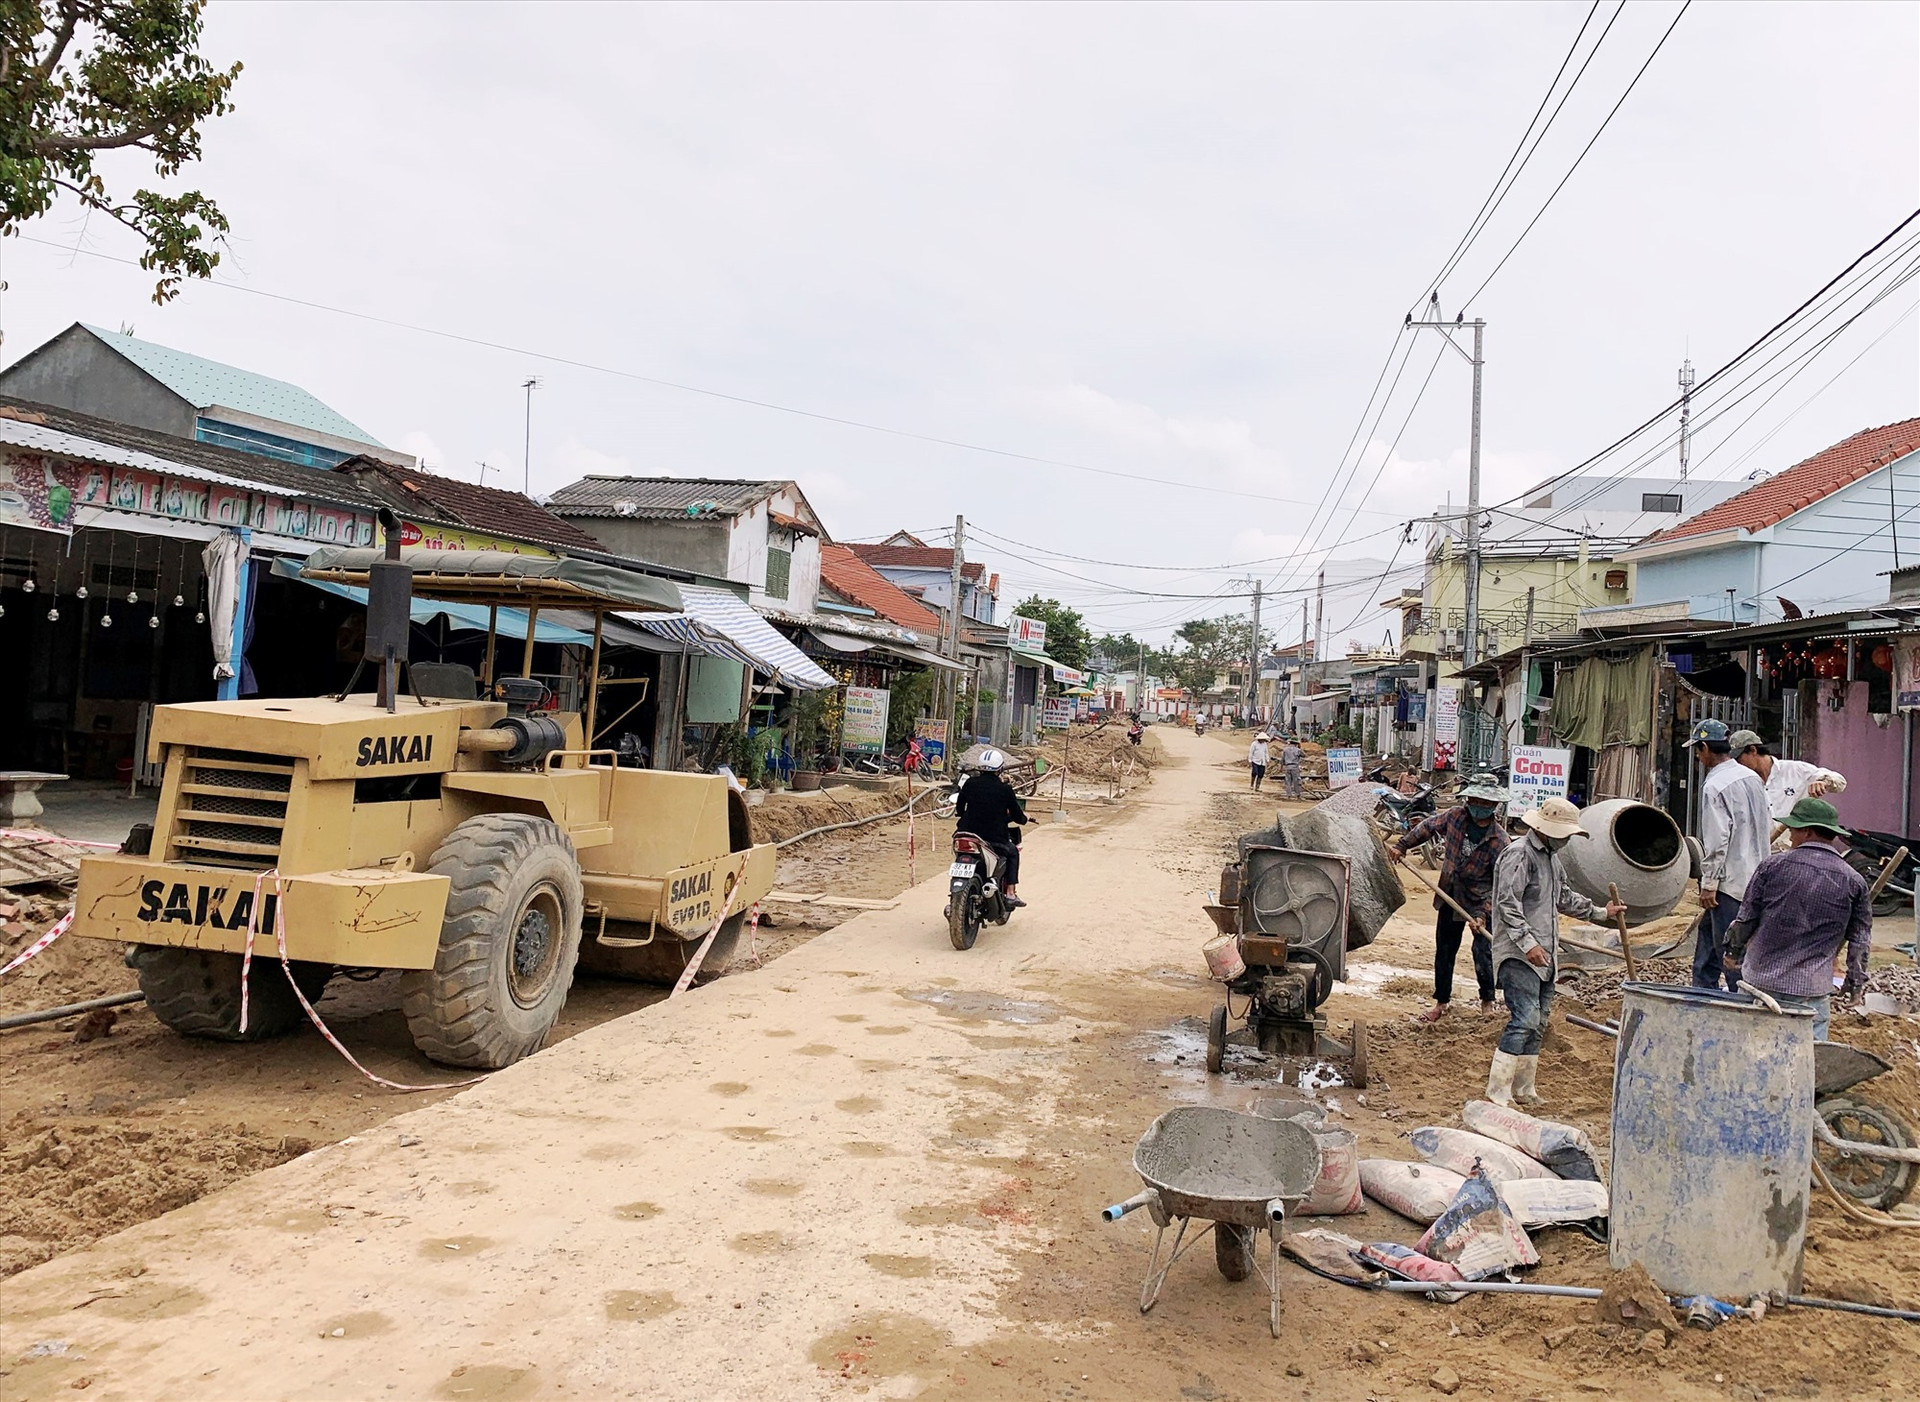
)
(1497, 195)
(748, 400)
(1687, 5)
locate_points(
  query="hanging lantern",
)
(53, 614)
(1882, 656)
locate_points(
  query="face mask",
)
(1480, 812)
(1554, 844)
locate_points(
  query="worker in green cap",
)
(1800, 907)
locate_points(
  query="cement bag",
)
(1336, 1191)
(1458, 1148)
(1477, 1233)
(1562, 1148)
(1409, 1264)
(1553, 1202)
(1417, 1191)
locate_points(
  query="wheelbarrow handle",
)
(1146, 1197)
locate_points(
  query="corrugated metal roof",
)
(659, 498)
(203, 383)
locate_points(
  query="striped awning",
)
(719, 624)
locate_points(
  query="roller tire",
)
(196, 992)
(467, 1010)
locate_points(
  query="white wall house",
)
(1819, 536)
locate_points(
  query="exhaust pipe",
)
(389, 612)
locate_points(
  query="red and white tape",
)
(280, 938)
(59, 928)
(42, 835)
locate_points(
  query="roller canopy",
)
(497, 577)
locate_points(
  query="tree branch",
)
(52, 145)
(70, 15)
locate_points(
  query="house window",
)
(779, 570)
(1660, 501)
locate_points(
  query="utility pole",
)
(1253, 669)
(1140, 682)
(1686, 413)
(952, 648)
(526, 460)
(1470, 644)
(1319, 619)
(1526, 671)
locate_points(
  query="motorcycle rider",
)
(989, 809)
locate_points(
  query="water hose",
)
(112, 1000)
(856, 822)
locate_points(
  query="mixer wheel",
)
(1217, 1044)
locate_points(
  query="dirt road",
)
(873, 1167)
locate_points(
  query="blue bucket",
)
(1712, 1141)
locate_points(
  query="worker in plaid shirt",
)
(1472, 837)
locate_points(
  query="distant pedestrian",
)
(1472, 840)
(1801, 906)
(1291, 758)
(1257, 759)
(1530, 892)
(1734, 829)
(1787, 780)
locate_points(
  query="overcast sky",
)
(1172, 241)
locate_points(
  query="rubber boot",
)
(1500, 1078)
(1524, 1089)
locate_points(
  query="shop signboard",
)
(1343, 768)
(1058, 714)
(1537, 774)
(426, 535)
(932, 735)
(863, 727)
(1069, 676)
(1446, 726)
(1027, 634)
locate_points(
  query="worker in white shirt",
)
(1257, 759)
(1787, 780)
(1735, 829)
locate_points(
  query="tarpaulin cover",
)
(484, 575)
(1601, 703)
(471, 617)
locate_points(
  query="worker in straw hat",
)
(1472, 838)
(1530, 892)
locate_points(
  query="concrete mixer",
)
(1635, 846)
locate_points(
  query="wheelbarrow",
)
(1855, 1140)
(1239, 1174)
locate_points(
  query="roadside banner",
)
(1906, 670)
(1536, 775)
(1058, 714)
(932, 737)
(1446, 726)
(864, 727)
(1027, 634)
(1343, 768)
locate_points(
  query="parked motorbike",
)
(1867, 853)
(973, 890)
(1398, 814)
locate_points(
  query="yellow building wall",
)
(1562, 587)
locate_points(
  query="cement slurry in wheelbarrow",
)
(1222, 1166)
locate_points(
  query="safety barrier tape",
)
(280, 937)
(58, 929)
(688, 974)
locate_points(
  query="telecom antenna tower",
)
(1686, 411)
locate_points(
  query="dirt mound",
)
(1093, 751)
(785, 815)
(68, 971)
(77, 1181)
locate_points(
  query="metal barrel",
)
(1712, 1142)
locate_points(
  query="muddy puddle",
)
(984, 1007)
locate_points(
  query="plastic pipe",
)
(112, 1000)
(1849, 1307)
(1486, 1287)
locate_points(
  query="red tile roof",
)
(858, 582)
(1773, 500)
(923, 557)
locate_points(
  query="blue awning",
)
(464, 617)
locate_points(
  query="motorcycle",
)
(1398, 814)
(1867, 852)
(973, 890)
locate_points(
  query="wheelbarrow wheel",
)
(1874, 1183)
(1216, 1040)
(1233, 1250)
(1358, 1074)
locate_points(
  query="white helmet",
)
(991, 760)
